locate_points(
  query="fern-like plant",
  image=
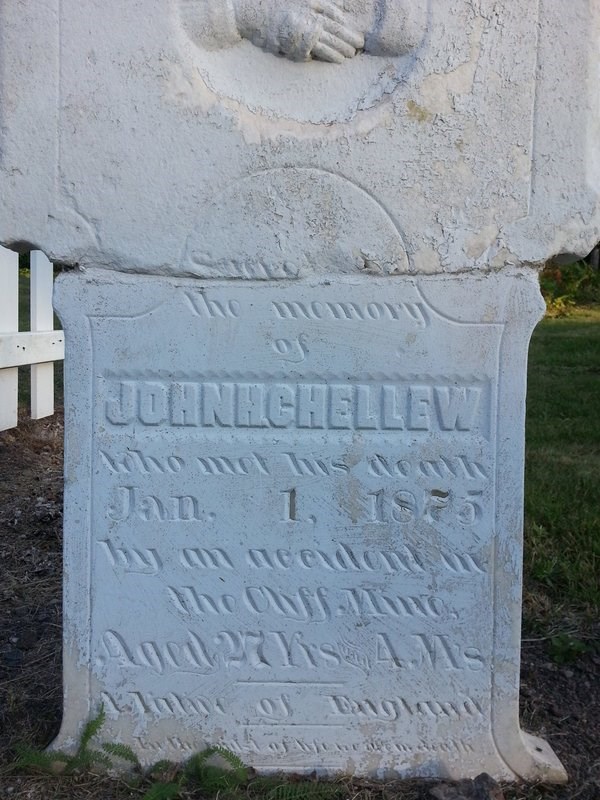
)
(164, 791)
(198, 773)
(170, 780)
(57, 762)
(275, 787)
(122, 751)
(213, 778)
(305, 791)
(29, 758)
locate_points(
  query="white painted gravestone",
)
(307, 235)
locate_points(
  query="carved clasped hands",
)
(300, 31)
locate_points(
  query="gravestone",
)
(306, 237)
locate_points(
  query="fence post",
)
(9, 323)
(42, 319)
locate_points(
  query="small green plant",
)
(58, 762)
(170, 779)
(199, 773)
(304, 791)
(565, 648)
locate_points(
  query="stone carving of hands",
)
(328, 30)
(310, 29)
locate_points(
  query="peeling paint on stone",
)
(144, 125)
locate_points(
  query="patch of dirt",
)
(559, 702)
(30, 582)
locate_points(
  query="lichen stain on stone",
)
(417, 112)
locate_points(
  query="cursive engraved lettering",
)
(313, 467)
(462, 563)
(376, 603)
(277, 708)
(143, 561)
(297, 652)
(344, 559)
(438, 651)
(203, 306)
(242, 465)
(292, 350)
(130, 503)
(191, 656)
(170, 704)
(136, 461)
(165, 744)
(398, 707)
(361, 312)
(303, 605)
(243, 648)
(205, 558)
(190, 602)
(460, 466)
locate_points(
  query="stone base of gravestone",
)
(293, 520)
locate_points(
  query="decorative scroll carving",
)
(301, 30)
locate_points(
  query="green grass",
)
(562, 488)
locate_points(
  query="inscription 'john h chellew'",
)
(350, 406)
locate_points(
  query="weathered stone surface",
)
(167, 137)
(293, 518)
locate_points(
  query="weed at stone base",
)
(274, 789)
(197, 773)
(169, 780)
(57, 763)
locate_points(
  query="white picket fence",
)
(38, 347)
